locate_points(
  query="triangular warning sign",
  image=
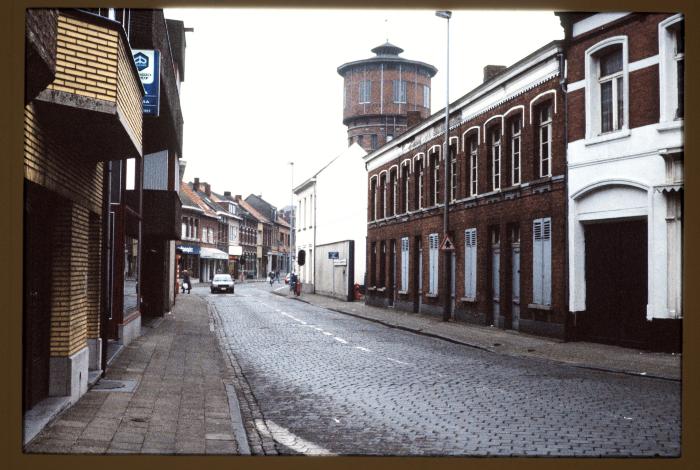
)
(447, 244)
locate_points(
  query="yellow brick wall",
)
(86, 59)
(129, 97)
(94, 276)
(69, 280)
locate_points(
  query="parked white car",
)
(222, 282)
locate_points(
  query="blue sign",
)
(147, 62)
(333, 255)
(188, 249)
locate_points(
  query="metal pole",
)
(446, 313)
(291, 216)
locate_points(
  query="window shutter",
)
(473, 264)
(547, 261)
(404, 264)
(537, 261)
(470, 262)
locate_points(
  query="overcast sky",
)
(261, 87)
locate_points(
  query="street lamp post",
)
(292, 235)
(446, 160)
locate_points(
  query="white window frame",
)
(395, 191)
(470, 263)
(405, 260)
(383, 185)
(542, 261)
(453, 174)
(433, 259)
(515, 156)
(426, 96)
(668, 72)
(420, 183)
(436, 181)
(474, 167)
(593, 105)
(496, 159)
(399, 91)
(406, 185)
(365, 92)
(545, 125)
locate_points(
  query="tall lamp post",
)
(446, 160)
(292, 234)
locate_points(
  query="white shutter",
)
(470, 263)
(472, 268)
(433, 246)
(537, 261)
(547, 261)
(404, 264)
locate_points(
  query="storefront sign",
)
(148, 64)
(333, 255)
(188, 249)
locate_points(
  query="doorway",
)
(616, 283)
(418, 276)
(515, 277)
(36, 335)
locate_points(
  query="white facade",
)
(630, 174)
(330, 207)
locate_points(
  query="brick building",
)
(82, 111)
(162, 147)
(278, 253)
(507, 208)
(625, 176)
(384, 95)
(263, 237)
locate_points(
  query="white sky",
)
(261, 87)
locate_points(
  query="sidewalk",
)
(165, 393)
(510, 342)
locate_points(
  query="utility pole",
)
(292, 234)
(446, 160)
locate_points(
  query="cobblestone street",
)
(328, 383)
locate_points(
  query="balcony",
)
(162, 214)
(94, 101)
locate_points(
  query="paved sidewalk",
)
(513, 343)
(174, 399)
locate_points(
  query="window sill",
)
(432, 296)
(667, 126)
(372, 288)
(607, 137)
(403, 292)
(467, 299)
(381, 289)
(539, 307)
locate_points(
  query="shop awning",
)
(212, 253)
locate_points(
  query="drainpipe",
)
(562, 86)
(105, 305)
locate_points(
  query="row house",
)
(263, 237)
(86, 138)
(247, 238)
(278, 254)
(505, 263)
(199, 251)
(230, 241)
(625, 176)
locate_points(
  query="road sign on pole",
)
(447, 244)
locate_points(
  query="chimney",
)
(412, 118)
(195, 185)
(237, 197)
(491, 71)
(227, 194)
(207, 189)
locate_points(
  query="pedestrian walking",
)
(186, 283)
(292, 282)
(277, 276)
(272, 277)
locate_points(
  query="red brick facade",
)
(512, 207)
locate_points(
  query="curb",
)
(234, 405)
(455, 341)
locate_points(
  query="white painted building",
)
(330, 206)
(625, 174)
